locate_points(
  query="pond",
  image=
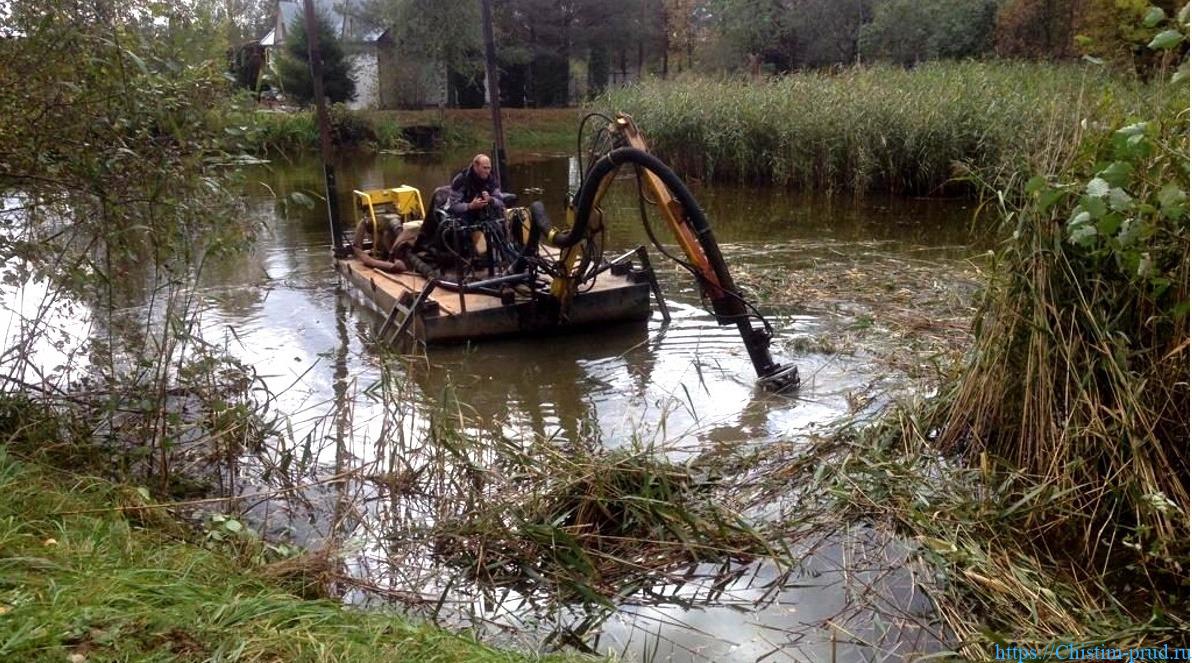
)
(867, 295)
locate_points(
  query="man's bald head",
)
(482, 166)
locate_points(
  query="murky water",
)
(282, 298)
(684, 386)
(850, 285)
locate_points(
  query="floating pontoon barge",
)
(442, 311)
(416, 306)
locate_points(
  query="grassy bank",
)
(876, 127)
(84, 572)
(526, 129)
(269, 133)
(280, 133)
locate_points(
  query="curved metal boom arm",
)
(690, 227)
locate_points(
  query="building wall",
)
(409, 81)
(364, 73)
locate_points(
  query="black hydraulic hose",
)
(586, 196)
(484, 287)
(579, 137)
(539, 226)
(424, 268)
(729, 306)
(641, 203)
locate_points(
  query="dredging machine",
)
(518, 273)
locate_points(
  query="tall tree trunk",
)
(1071, 27)
(566, 58)
(641, 36)
(665, 43)
(230, 25)
(690, 48)
(531, 82)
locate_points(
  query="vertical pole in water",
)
(494, 92)
(316, 76)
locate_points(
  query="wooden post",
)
(494, 93)
(316, 75)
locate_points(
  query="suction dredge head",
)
(781, 379)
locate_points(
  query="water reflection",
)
(743, 214)
(546, 392)
(770, 613)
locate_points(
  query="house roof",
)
(345, 16)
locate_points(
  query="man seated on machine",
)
(475, 198)
(474, 190)
(453, 237)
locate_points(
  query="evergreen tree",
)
(294, 65)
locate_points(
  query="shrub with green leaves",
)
(117, 192)
(1044, 490)
(1079, 378)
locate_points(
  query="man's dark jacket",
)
(464, 189)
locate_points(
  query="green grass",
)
(270, 134)
(526, 129)
(110, 586)
(875, 127)
(289, 133)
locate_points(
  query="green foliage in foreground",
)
(77, 580)
(904, 130)
(1079, 377)
(103, 131)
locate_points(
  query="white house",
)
(362, 41)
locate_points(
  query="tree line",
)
(544, 45)
(796, 34)
(552, 50)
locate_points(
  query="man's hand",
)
(481, 201)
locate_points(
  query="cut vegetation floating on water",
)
(207, 455)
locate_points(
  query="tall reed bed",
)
(886, 128)
(1047, 484)
(1079, 377)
